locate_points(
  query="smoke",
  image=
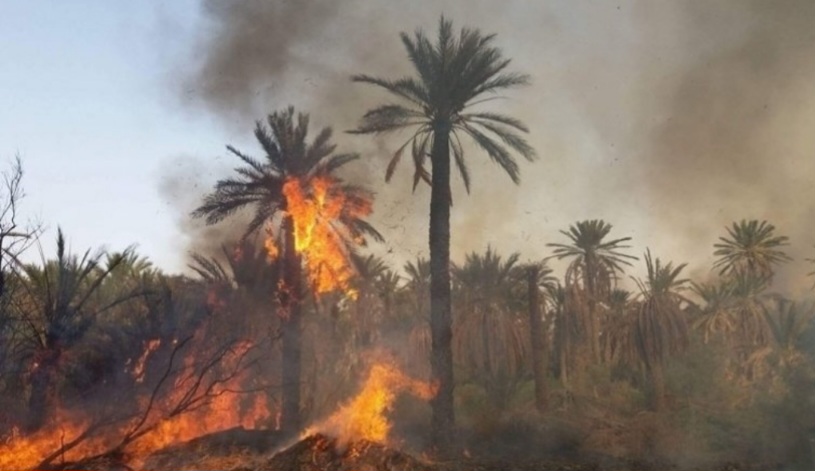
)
(733, 139)
(668, 120)
(185, 181)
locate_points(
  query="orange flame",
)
(26, 452)
(315, 206)
(224, 411)
(364, 417)
(138, 369)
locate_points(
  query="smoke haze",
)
(668, 120)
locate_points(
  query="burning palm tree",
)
(453, 74)
(311, 217)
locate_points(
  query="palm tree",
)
(490, 339)
(60, 302)
(595, 267)
(750, 248)
(617, 339)
(260, 185)
(241, 280)
(661, 328)
(790, 323)
(368, 315)
(387, 287)
(537, 276)
(566, 329)
(417, 294)
(751, 303)
(453, 75)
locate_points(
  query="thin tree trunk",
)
(441, 358)
(291, 333)
(538, 339)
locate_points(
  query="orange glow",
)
(316, 206)
(26, 452)
(224, 410)
(365, 416)
(138, 369)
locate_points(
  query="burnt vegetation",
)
(581, 355)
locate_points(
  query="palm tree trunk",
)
(441, 358)
(591, 288)
(538, 340)
(657, 377)
(291, 333)
(490, 381)
(41, 400)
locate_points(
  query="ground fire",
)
(195, 401)
(365, 416)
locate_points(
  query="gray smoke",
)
(669, 120)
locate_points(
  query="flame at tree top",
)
(318, 207)
(364, 417)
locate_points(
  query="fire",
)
(26, 452)
(138, 369)
(364, 417)
(223, 413)
(225, 410)
(316, 206)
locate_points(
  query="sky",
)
(84, 102)
(670, 120)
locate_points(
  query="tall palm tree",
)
(595, 267)
(661, 328)
(453, 74)
(259, 185)
(537, 277)
(751, 247)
